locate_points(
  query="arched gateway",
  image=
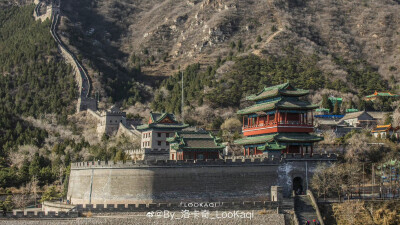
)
(298, 185)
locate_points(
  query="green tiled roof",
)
(351, 110)
(382, 94)
(156, 118)
(195, 140)
(297, 137)
(272, 146)
(162, 126)
(255, 139)
(274, 91)
(322, 110)
(284, 103)
(277, 141)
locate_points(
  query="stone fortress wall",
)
(169, 181)
(81, 77)
(114, 123)
(36, 13)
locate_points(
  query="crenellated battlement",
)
(211, 206)
(231, 161)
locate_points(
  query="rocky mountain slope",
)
(168, 34)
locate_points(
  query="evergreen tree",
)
(50, 194)
(34, 167)
(24, 176)
(326, 103)
(239, 45)
(336, 109)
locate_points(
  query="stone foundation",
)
(169, 181)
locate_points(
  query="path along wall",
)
(169, 181)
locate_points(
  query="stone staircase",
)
(286, 204)
(304, 209)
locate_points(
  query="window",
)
(167, 143)
(167, 135)
(159, 143)
(173, 157)
(158, 134)
(149, 134)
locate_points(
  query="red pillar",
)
(258, 121)
(277, 117)
(248, 151)
(312, 149)
(285, 117)
(312, 118)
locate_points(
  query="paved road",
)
(141, 218)
(304, 209)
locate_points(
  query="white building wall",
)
(156, 140)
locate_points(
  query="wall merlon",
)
(38, 214)
(170, 206)
(183, 163)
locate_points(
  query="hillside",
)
(34, 83)
(158, 37)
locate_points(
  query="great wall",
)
(81, 77)
(240, 182)
(170, 181)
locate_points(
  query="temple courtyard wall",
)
(168, 181)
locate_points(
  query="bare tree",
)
(336, 182)
(320, 180)
(396, 117)
(358, 148)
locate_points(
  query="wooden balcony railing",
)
(282, 123)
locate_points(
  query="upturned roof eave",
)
(246, 111)
(155, 126)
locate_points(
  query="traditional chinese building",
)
(155, 133)
(278, 122)
(376, 95)
(386, 131)
(110, 120)
(358, 119)
(332, 101)
(194, 145)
